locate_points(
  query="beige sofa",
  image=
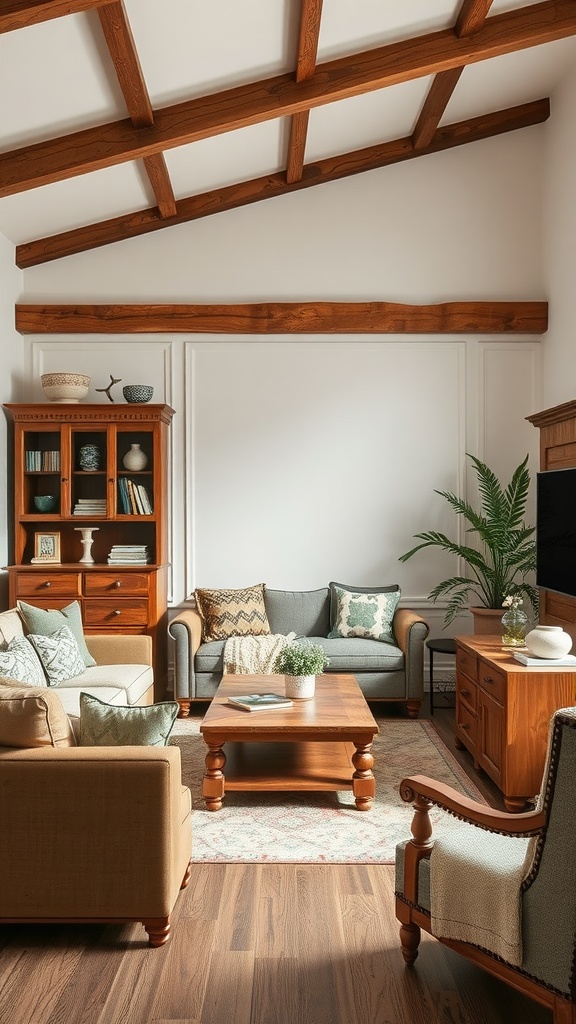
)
(89, 834)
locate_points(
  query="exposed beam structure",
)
(120, 43)
(471, 17)
(287, 318)
(131, 225)
(305, 68)
(117, 142)
(21, 13)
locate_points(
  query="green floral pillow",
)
(110, 725)
(367, 615)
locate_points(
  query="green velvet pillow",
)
(49, 620)
(364, 613)
(106, 725)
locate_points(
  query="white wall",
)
(300, 460)
(11, 389)
(560, 245)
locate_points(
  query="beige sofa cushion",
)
(10, 625)
(33, 716)
(133, 680)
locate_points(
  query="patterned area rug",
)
(319, 827)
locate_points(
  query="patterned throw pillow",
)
(227, 613)
(59, 654)
(19, 661)
(368, 615)
(106, 725)
(48, 620)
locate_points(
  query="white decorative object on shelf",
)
(65, 387)
(135, 459)
(300, 687)
(87, 541)
(548, 642)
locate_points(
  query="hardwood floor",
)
(256, 944)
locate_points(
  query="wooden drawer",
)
(59, 585)
(116, 583)
(467, 692)
(492, 681)
(467, 663)
(109, 613)
(466, 726)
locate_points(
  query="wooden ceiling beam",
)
(471, 17)
(287, 318)
(122, 48)
(305, 67)
(16, 14)
(201, 118)
(132, 225)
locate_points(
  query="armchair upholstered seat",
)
(499, 888)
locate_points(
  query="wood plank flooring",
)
(256, 944)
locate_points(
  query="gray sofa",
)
(390, 672)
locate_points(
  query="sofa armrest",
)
(186, 631)
(411, 630)
(92, 832)
(120, 649)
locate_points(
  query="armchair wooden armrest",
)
(423, 792)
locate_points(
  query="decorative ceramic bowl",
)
(65, 387)
(138, 392)
(44, 502)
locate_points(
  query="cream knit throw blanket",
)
(254, 655)
(475, 879)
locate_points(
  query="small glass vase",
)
(514, 627)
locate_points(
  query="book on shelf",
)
(525, 659)
(134, 498)
(129, 554)
(260, 701)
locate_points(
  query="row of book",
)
(134, 498)
(90, 507)
(129, 554)
(42, 462)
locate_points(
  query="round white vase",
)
(135, 459)
(548, 642)
(300, 687)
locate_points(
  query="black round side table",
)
(438, 646)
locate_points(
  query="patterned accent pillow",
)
(48, 620)
(106, 725)
(19, 661)
(227, 613)
(59, 654)
(368, 615)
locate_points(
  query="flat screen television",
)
(556, 531)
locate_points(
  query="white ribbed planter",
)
(548, 642)
(300, 687)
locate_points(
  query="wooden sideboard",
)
(503, 712)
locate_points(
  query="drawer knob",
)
(47, 583)
(117, 583)
(489, 679)
(117, 611)
(465, 726)
(465, 693)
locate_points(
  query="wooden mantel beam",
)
(207, 116)
(287, 318)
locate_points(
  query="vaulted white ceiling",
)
(57, 77)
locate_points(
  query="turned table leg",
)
(363, 781)
(213, 784)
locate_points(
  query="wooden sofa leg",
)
(184, 708)
(409, 940)
(187, 874)
(158, 931)
(413, 707)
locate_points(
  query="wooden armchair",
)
(540, 886)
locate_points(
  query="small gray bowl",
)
(44, 502)
(138, 392)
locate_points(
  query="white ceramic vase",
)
(135, 459)
(548, 642)
(300, 687)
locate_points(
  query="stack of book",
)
(129, 554)
(134, 498)
(46, 462)
(90, 507)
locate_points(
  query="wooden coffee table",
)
(318, 744)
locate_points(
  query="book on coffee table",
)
(260, 701)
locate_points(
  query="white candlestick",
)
(87, 541)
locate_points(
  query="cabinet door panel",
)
(490, 745)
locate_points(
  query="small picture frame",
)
(46, 547)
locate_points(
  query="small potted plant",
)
(301, 661)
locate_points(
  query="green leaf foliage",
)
(505, 553)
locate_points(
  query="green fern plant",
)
(506, 552)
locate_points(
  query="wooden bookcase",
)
(115, 598)
(557, 451)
